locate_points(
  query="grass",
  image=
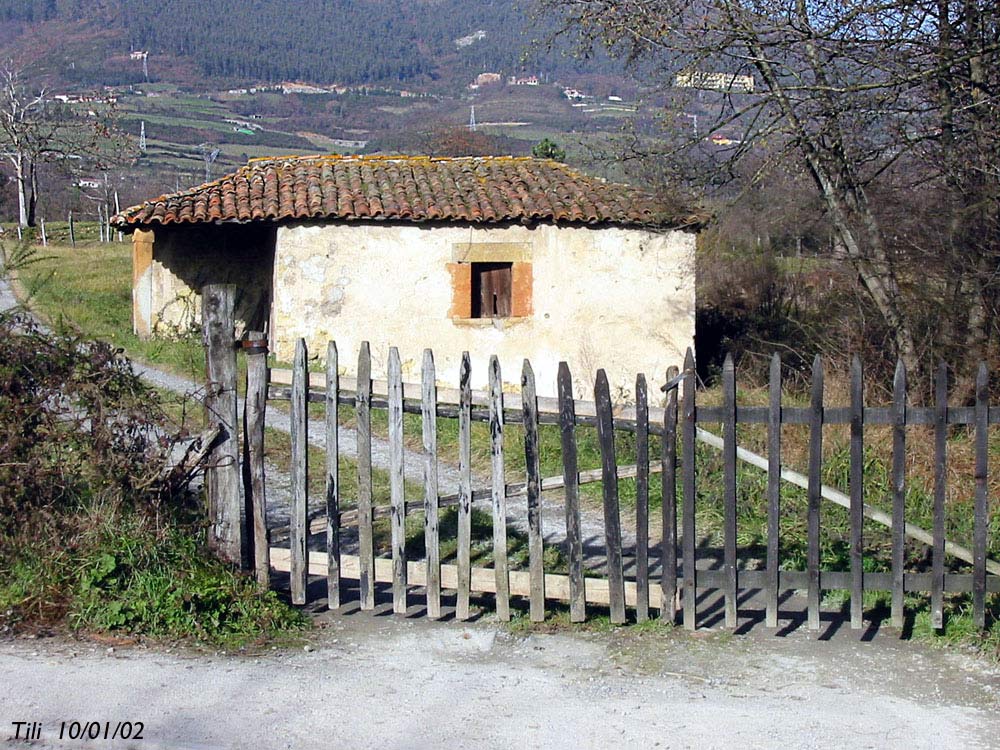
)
(122, 574)
(89, 287)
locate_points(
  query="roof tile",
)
(489, 189)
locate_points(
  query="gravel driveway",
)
(381, 682)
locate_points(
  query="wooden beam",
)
(482, 580)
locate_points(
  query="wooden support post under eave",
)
(142, 282)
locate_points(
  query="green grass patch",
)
(90, 288)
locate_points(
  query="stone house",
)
(517, 257)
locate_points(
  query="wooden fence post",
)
(641, 499)
(814, 494)
(688, 433)
(501, 570)
(773, 491)
(609, 485)
(529, 409)
(980, 533)
(222, 480)
(255, 347)
(668, 509)
(898, 492)
(332, 478)
(72, 230)
(464, 531)
(571, 483)
(729, 562)
(940, 493)
(432, 541)
(366, 549)
(857, 487)
(299, 512)
(396, 476)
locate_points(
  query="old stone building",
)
(517, 257)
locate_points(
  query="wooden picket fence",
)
(676, 424)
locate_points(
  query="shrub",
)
(95, 533)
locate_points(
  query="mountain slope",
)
(321, 41)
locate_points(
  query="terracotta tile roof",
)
(406, 188)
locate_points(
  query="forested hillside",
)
(322, 41)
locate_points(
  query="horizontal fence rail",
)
(676, 425)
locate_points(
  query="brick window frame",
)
(460, 270)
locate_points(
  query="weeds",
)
(95, 532)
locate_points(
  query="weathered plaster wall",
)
(622, 299)
(172, 264)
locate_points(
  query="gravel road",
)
(381, 682)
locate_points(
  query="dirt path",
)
(383, 682)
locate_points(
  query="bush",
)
(94, 532)
(76, 426)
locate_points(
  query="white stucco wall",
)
(621, 299)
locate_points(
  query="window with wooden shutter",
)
(492, 286)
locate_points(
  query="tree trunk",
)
(22, 190)
(32, 195)
(845, 203)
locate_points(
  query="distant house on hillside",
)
(517, 257)
(487, 79)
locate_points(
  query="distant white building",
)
(697, 79)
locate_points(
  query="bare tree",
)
(35, 129)
(891, 106)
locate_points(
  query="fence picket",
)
(464, 488)
(688, 428)
(299, 532)
(940, 490)
(668, 505)
(641, 499)
(898, 491)
(815, 488)
(432, 543)
(366, 551)
(499, 493)
(609, 486)
(680, 414)
(981, 529)
(332, 478)
(574, 541)
(254, 410)
(857, 493)
(397, 500)
(773, 492)
(729, 489)
(529, 405)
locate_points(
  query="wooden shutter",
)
(491, 290)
